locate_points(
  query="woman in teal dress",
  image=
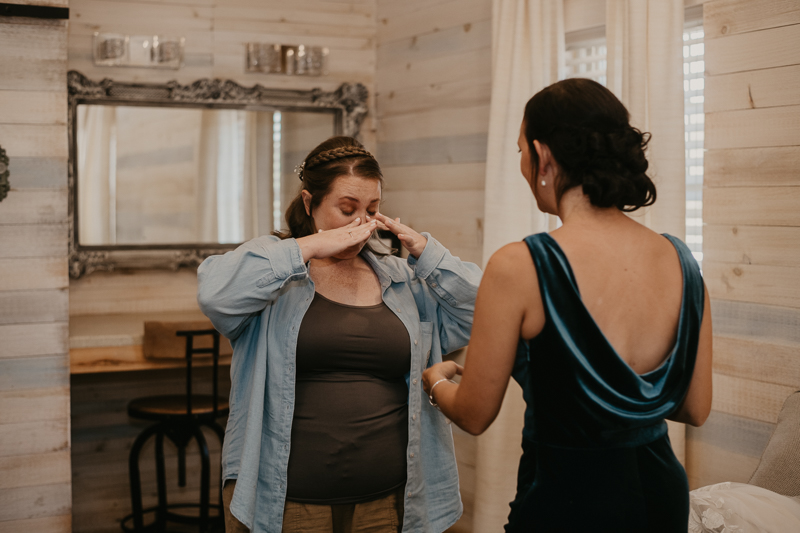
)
(604, 323)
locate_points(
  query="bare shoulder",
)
(511, 275)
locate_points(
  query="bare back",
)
(631, 282)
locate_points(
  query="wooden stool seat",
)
(158, 408)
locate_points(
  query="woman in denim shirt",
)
(329, 429)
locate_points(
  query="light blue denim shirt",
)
(257, 295)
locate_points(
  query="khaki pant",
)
(378, 516)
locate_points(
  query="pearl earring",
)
(543, 183)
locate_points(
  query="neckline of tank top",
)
(334, 302)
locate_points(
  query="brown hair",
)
(589, 134)
(338, 156)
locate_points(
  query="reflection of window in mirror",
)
(168, 175)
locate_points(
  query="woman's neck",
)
(575, 208)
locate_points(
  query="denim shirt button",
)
(415, 342)
(415, 381)
(409, 494)
(411, 455)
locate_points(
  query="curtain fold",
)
(527, 55)
(644, 39)
(207, 176)
(96, 170)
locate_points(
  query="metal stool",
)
(179, 418)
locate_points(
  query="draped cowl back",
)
(579, 392)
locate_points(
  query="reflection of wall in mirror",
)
(301, 133)
(169, 175)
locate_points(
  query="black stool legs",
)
(181, 433)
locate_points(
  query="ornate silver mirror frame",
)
(348, 103)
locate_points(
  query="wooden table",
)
(113, 343)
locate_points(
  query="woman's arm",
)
(506, 308)
(231, 288)
(452, 282)
(697, 404)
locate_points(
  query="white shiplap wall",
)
(35, 478)
(433, 84)
(752, 229)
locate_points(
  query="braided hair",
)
(338, 156)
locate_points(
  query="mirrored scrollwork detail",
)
(353, 98)
(83, 263)
(349, 101)
(5, 186)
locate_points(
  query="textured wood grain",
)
(756, 360)
(34, 404)
(35, 502)
(748, 398)
(34, 107)
(23, 307)
(748, 128)
(730, 17)
(757, 245)
(34, 206)
(753, 89)
(433, 18)
(447, 122)
(28, 438)
(756, 167)
(32, 470)
(33, 240)
(756, 50)
(766, 323)
(752, 206)
(457, 177)
(22, 340)
(50, 524)
(769, 285)
(34, 273)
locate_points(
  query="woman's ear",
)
(544, 156)
(306, 201)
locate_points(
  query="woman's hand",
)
(331, 242)
(412, 241)
(439, 371)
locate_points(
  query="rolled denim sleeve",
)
(233, 287)
(454, 285)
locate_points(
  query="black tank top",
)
(350, 426)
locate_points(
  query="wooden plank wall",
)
(752, 231)
(35, 479)
(433, 84)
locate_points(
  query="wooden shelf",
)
(113, 343)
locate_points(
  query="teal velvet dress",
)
(596, 455)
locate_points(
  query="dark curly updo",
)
(589, 134)
(338, 156)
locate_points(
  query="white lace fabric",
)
(741, 508)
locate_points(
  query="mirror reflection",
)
(169, 175)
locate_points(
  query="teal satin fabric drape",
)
(579, 392)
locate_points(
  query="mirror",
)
(165, 175)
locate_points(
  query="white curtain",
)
(97, 170)
(645, 70)
(527, 55)
(227, 199)
(207, 176)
